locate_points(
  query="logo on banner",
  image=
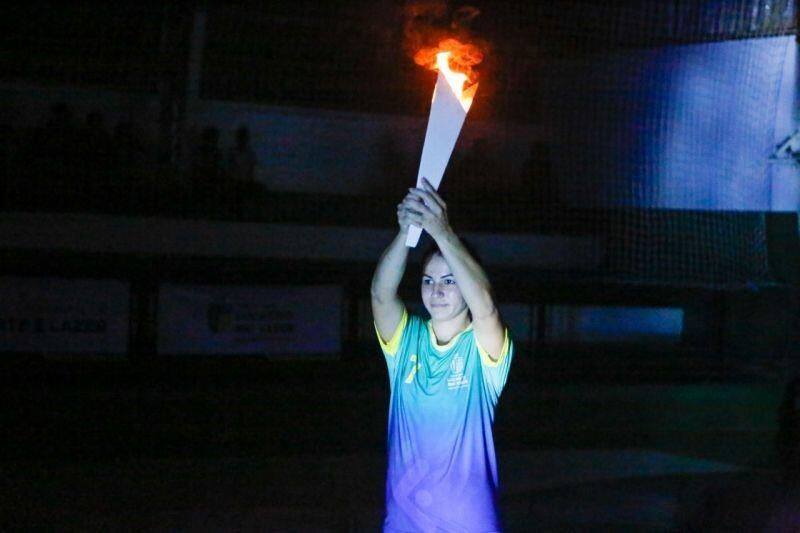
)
(63, 316)
(259, 320)
(250, 319)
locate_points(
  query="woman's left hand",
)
(427, 210)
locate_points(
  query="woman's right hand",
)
(405, 213)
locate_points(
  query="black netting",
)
(644, 126)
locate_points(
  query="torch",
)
(449, 107)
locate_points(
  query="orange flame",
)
(455, 61)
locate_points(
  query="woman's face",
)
(440, 293)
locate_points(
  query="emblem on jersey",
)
(414, 369)
(456, 380)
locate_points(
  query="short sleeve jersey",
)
(442, 470)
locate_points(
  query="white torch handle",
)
(444, 124)
(414, 233)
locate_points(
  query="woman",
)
(446, 375)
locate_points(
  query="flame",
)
(463, 57)
(456, 80)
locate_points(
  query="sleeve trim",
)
(391, 346)
(486, 360)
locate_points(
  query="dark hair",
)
(430, 251)
(433, 249)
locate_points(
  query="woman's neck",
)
(445, 330)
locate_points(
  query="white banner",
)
(235, 320)
(54, 316)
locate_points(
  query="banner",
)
(55, 316)
(613, 324)
(237, 320)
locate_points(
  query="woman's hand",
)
(423, 207)
(404, 214)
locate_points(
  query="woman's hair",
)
(430, 251)
(433, 249)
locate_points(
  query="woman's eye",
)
(426, 282)
(450, 281)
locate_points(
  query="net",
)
(645, 126)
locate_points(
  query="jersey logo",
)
(414, 369)
(456, 380)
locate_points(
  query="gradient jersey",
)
(442, 471)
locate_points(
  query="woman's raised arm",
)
(387, 307)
